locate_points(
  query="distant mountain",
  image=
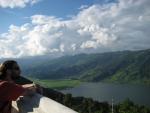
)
(123, 66)
(29, 62)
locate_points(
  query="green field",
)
(57, 84)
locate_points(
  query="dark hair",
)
(5, 66)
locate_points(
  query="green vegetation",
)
(120, 67)
(127, 106)
(87, 105)
(57, 84)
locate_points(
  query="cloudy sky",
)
(60, 27)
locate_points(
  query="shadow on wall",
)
(28, 104)
(39, 104)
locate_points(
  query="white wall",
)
(39, 104)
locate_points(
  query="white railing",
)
(39, 104)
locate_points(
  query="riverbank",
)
(57, 84)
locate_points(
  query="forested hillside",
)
(124, 66)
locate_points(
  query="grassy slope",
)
(57, 84)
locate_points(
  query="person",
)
(9, 90)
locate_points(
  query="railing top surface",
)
(40, 104)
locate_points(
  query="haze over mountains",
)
(122, 66)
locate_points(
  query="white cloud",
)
(83, 7)
(89, 44)
(62, 47)
(73, 47)
(16, 3)
(99, 28)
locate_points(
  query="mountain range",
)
(121, 66)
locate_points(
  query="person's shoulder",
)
(6, 83)
(3, 82)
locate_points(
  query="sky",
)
(67, 27)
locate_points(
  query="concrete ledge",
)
(39, 104)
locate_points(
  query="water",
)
(118, 92)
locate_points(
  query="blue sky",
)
(62, 27)
(59, 8)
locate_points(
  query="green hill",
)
(123, 67)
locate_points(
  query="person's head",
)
(9, 68)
